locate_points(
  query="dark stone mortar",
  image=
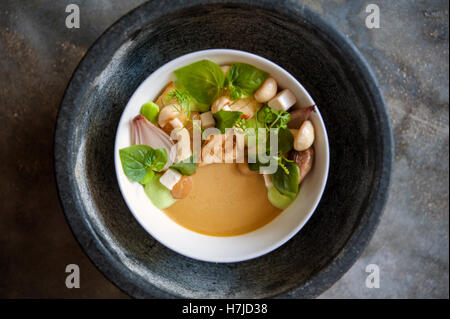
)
(285, 32)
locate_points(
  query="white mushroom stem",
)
(247, 106)
(282, 101)
(169, 113)
(176, 123)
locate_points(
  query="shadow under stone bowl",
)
(292, 36)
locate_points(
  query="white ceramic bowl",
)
(211, 248)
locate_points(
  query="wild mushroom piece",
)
(304, 161)
(212, 150)
(207, 119)
(162, 98)
(299, 116)
(247, 106)
(169, 113)
(182, 189)
(222, 103)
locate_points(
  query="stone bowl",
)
(286, 32)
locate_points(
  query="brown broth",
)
(223, 202)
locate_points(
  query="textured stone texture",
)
(409, 55)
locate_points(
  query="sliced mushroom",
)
(248, 106)
(207, 119)
(215, 149)
(169, 113)
(299, 116)
(304, 161)
(219, 104)
(212, 150)
(176, 123)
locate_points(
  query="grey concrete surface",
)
(409, 54)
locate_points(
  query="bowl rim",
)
(125, 28)
(192, 252)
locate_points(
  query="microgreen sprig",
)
(184, 100)
(275, 119)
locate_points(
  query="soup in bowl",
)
(221, 155)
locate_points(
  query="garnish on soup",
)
(213, 140)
